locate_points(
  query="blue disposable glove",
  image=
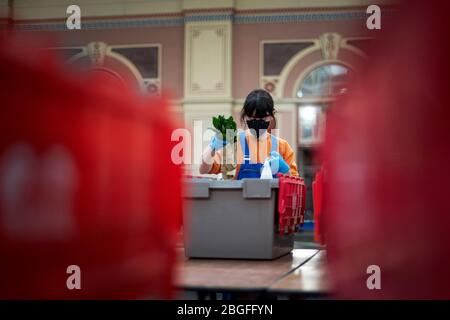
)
(217, 143)
(277, 163)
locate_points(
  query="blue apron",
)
(252, 170)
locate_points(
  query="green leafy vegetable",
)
(222, 124)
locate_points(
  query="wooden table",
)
(220, 275)
(310, 279)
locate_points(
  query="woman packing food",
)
(255, 144)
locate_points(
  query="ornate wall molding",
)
(330, 43)
(207, 60)
(171, 19)
(96, 52)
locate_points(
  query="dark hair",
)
(259, 103)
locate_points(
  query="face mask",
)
(257, 125)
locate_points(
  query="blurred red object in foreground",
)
(317, 189)
(387, 166)
(85, 179)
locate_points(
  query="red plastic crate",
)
(85, 177)
(291, 203)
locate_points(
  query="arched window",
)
(325, 81)
(320, 86)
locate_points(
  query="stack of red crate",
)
(291, 203)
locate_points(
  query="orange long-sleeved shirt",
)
(259, 150)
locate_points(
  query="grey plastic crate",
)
(235, 219)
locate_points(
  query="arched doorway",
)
(319, 87)
(316, 88)
(307, 85)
